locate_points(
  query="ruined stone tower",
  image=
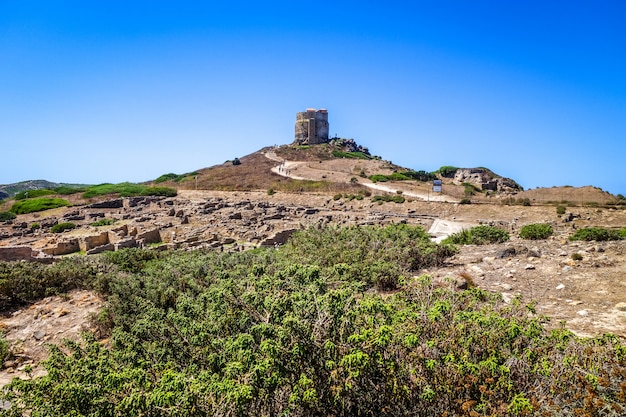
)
(311, 127)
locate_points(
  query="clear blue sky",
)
(112, 91)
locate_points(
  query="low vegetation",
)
(23, 195)
(478, 235)
(7, 215)
(103, 222)
(350, 329)
(597, 234)
(33, 205)
(386, 198)
(175, 177)
(536, 231)
(404, 176)
(62, 227)
(127, 189)
(352, 155)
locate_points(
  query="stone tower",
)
(311, 127)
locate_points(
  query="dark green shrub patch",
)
(27, 282)
(447, 171)
(378, 178)
(536, 231)
(23, 195)
(127, 189)
(7, 215)
(479, 235)
(37, 204)
(560, 210)
(62, 227)
(351, 155)
(103, 222)
(67, 190)
(596, 233)
(388, 198)
(175, 177)
(335, 322)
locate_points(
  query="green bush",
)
(103, 222)
(577, 257)
(270, 191)
(536, 231)
(61, 227)
(309, 332)
(7, 215)
(127, 189)
(398, 176)
(560, 210)
(465, 201)
(37, 204)
(388, 198)
(596, 233)
(420, 175)
(478, 235)
(23, 195)
(351, 155)
(5, 351)
(27, 282)
(447, 171)
(470, 189)
(622, 233)
(378, 178)
(69, 190)
(175, 177)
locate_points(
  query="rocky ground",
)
(588, 295)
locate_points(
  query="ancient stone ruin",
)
(311, 127)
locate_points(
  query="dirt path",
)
(305, 171)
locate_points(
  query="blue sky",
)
(112, 91)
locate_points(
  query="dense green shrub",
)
(300, 332)
(7, 215)
(69, 190)
(596, 233)
(622, 233)
(420, 175)
(175, 177)
(23, 195)
(536, 231)
(478, 235)
(560, 210)
(127, 189)
(27, 282)
(103, 222)
(4, 349)
(388, 198)
(351, 155)
(470, 189)
(447, 171)
(37, 204)
(378, 178)
(62, 227)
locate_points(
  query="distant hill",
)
(10, 190)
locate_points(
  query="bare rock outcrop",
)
(485, 179)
